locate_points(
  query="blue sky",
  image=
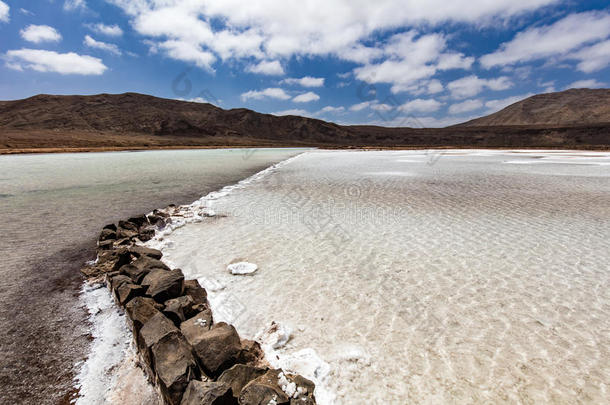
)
(385, 62)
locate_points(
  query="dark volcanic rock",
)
(139, 221)
(250, 353)
(208, 393)
(164, 285)
(179, 309)
(196, 292)
(105, 244)
(107, 234)
(140, 267)
(115, 282)
(139, 311)
(138, 251)
(153, 330)
(217, 348)
(127, 230)
(146, 234)
(238, 376)
(193, 327)
(264, 389)
(125, 292)
(111, 227)
(175, 366)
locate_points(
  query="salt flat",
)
(462, 276)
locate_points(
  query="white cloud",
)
(332, 110)
(556, 39)
(360, 106)
(294, 111)
(421, 105)
(4, 12)
(110, 30)
(586, 84)
(186, 52)
(593, 58)
(382, 107)
(279, 30)
(71, 5)
(465, 106)
(411, 59)
(23, 11)
(270, 68)
(40, 33)
(470, 86)
(306, 81)
(306, 97)
(49, 61)
(272, 92)
(497, 105)
(104, 46)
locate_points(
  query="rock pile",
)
(190, 358)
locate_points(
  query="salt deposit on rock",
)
(276, 336)
(242, 268)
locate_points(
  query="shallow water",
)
(52, 208)
(421, 277)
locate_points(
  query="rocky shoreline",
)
(187, 356)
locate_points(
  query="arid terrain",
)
(570, 119)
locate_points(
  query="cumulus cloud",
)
(306, 97)
(421, 105)
(50, 61)
(332, 110)
(470, 86)
(71, 5)
(410, 60)
(593, 58)
(293, 111)
(557, 39)
(109, 30)
(279, 30)
(270, 68)
(40, 33)
(104, 46)
(272, 92)
(586, 84)
(306, 81)
(360, 106)
(4, 12)
(465, 106)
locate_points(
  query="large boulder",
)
(277, 386)
(263, 390)
(139, 221)
(107, 234)
(140, 267)
(112, 260)
(127, 230)
(196, 292)
(114, 282)
(194, 326)
(126, 291)
(154, 329)
(146, 234)
(208, 393)
(217, 348)
(139, 310)
(251, 353)
(174, 365)
(164, 285)
(179, 309)
(139, 251)
(238, 376)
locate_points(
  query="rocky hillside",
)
(570, 107)
(136, 121)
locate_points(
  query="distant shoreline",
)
(23, 151)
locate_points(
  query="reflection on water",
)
(468, 280)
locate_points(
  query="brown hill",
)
(570, 107)
(137, 121)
